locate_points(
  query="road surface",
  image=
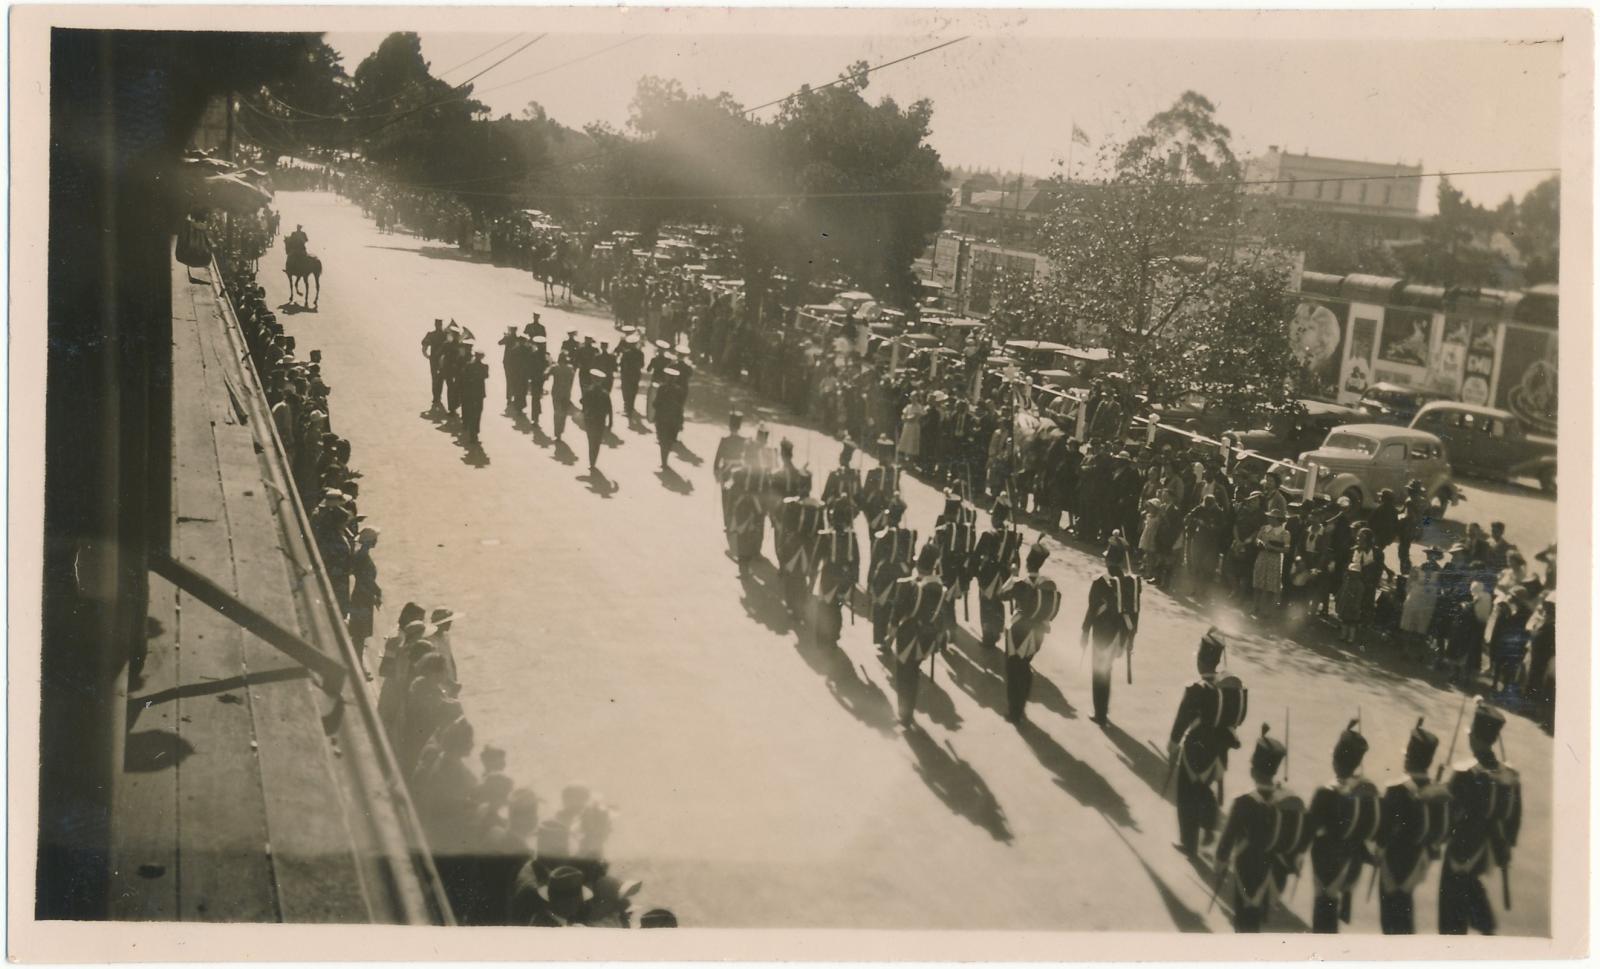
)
(609, 640)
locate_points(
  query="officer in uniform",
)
(1112, 620)
(596, 404)
(835, 567)
(919, 630)
(1415, 821)
(434, 343)
(669, 414)
(893, 547)
(659, 361)
(1035, 603)
(785, 481)
(730, 454)
(802, 523)
(953, 536)
(1203, 732)
(746, 522)
(1260, 843)
(474, 387)
(508, 363)
(1485, 816)
(519, 365)
(538, 367)
(881, 486)
(631, 366)
(996, 559)
(843, 485)
(1343, 818)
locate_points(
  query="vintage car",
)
(1287, 435)
(1359, 460)
(1035, 354)
(1489, 443)
(1395, 404)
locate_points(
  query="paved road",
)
(610, 640)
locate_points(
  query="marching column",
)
(1035, 604)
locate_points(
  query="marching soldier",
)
(1343, 818)
(631, 367)
(1112, 620)
(1415, 824)
(509, 366)
(1035, 604)
(881, 487)
(996, 559)
(802, 524)
(919, 630)
(669, 414)
(473, 383)
(435, 345)
(785, 481)
(1202, 734)
(953, 536)
(843, 485)
(538, 368)
(1485, 817)
(659, 361)
(1260, 843)
(746, 521)
(519, 365)
(893, 547)
(730, 454)
(835, 567)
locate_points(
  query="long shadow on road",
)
(1184, 918)
(1077, 778)
(1145, 763)
(955, 782)
(979, 672)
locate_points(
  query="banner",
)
(1316, 335)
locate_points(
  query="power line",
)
(464, 97)
(413, 83)
(557, 67)
(478, 55)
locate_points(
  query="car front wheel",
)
(1354, 495)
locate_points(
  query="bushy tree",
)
(1536, 231)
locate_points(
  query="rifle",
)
(1505, 887)
(1172, 768)
(1129, 655)
(1460, 713)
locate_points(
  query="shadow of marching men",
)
(1084, 783)
(673, 481)
(955, 782)
(1184, 918)
(980, 673)
(599, 484)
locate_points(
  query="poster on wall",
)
(1479, 369)
(1358, 365)
(1446, 367)
(1316, 336)
(1405, 337)
(1528, 378)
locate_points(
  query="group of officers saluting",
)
(1469, 822)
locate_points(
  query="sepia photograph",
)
(943, 484)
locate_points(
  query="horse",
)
(302, 268)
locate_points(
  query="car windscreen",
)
(1351, 442)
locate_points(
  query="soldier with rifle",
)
(881, 487)
(1485, 817)
(746, 520)
(1111, 621)
(730, 454)
(919, 629)
(893, 547)
(996, 559)
(1260, 844)
(1343, 818)
(1203, 732)
(802, 524)
(1415, 822)
(843, 485)
(953, 535)
(785, 481)
(835, 567)
(1035, 604)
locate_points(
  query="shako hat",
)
(928, 557)
(1211, 648)
(1036, 556)
(1268, 755)
(1420, 748)
(1487, 722)
(1349, 749)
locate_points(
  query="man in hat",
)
(367, 595)
(569, 345)
(803, 518)
(1259, 846)
(519, 367)
(330, 521)
(596, 404)
(631, 366)
(534, 328)
(835, 567)
(433, 347)
(730, 454)
(1202, 734)
(1485, 818)
(456, 355)
(537, 369)
(1112, 621)
(893, 546)
(1342, 819)
(508, 365)
(669, 414)
(996, 559)
(919, 630)
(1035, 603)
(843, 486)
(785, 481)
(474, 384)
(1414, 823)
(659, 361)
(561, 393)
(954, 536)
(442, 621)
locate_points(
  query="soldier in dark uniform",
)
(508, 366)
(785, 481)
(802, 523)
(1111, 621)
(730, 454)
(1035, 603)
(433, 347)
(893, 546)
(661, 360)
(561, 394)
(631, 366)
(1260, 843)
(456, 355)
(954, 536)
(1343, 818)
(996, 559)
(669, 414)
(1485, 817)
(519, 365)
(1202, 734)
(919, 630)
(538, 367)
(1415, 815)
(881, 486)
(473, 382)
(746, 520)
(596, 404)
(835, 567)
(843, 485)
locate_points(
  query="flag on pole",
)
(1080, 136)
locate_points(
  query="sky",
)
(1009, 94)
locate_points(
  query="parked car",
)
(1198, 414)
(1035, 354)
(1356, 461)
(1489, 443)
(1395, 404)
(1288, 435)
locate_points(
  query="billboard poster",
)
(1446, 367)
(1528, 378)
(1405, 337)
(1479, 368)
(1316, 335)
(1357, 375)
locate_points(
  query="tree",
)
(1536, 231)
(1452, 252)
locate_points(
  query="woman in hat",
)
(909, 448)
(1266, 578)
(1422, 597)
(1357, 587)
(367, 595)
